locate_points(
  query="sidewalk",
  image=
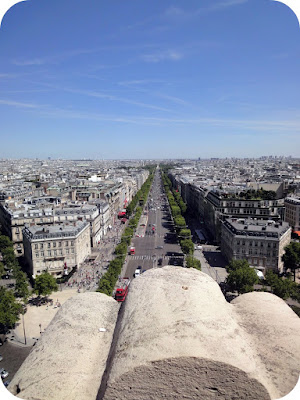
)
(212, 261)
(87, 277)
(37, 319)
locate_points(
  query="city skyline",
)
(149, 81)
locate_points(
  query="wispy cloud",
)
(254, 125)
(8, 75)
(179, 14)
(139, 82)
(167, 55)
(54, 58)
(106, 96)
(34, 61)
(27, 91)
(174, 99)
(138, 85)
(258, 125)
(227, 3)
(60, 57)
(174, 11)
(219, 6)
(18, 104)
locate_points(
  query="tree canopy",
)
(192, 262)
(2, 269)
(187, 246)
(175, 211)
(5, 242)
(241, 276)
(10, 309)
(259, 194)
(283, 288)
(9, 257)
(180, 221)
(291, 258)
(185, 233)
(45, 284)
(22, 285)
(236, 264)
(121, 248)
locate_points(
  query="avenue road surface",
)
(160, 248)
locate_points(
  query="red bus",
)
(122, 290)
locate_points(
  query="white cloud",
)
(168, 55)
(292, 126)
(177, 14)
(139, 82)
(55, 58)
(18, 104)
(225, 4)
(4, 75)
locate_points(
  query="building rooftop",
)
(252, 227)
(46, 231)
(293, 200)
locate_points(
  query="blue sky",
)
(149, 79)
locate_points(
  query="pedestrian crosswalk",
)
(147, 257)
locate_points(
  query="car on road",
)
(1, 358)
(159, 262)
(4, 374)
(6, 383)
(159, 247)
(198, 247)
(137, 272)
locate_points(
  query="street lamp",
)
(24, 330)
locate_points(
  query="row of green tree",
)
(141, 196)
(178, 209)
(110, 278)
